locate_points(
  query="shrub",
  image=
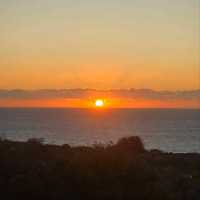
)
(131, 144)
(36, 141)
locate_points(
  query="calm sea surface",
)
(168, 130)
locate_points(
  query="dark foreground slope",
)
(122, 171)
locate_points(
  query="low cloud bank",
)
(88, 93)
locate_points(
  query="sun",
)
(99, 103)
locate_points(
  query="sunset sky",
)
(107, 44)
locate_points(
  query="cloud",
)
(91, 93)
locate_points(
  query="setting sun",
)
(99, 103)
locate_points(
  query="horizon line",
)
(96, 89)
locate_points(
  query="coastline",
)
(125, 170)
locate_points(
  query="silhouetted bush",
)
(131, 144)
(121, 171)
(36, 141)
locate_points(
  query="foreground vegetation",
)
(32, 170)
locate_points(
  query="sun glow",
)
(99, 103)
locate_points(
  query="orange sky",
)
(109, 103)
(100, 44)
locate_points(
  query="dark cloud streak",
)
(87, 93)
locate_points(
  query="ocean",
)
(170, 130)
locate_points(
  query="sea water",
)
(171, 130)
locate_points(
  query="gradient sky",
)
(103, 44)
